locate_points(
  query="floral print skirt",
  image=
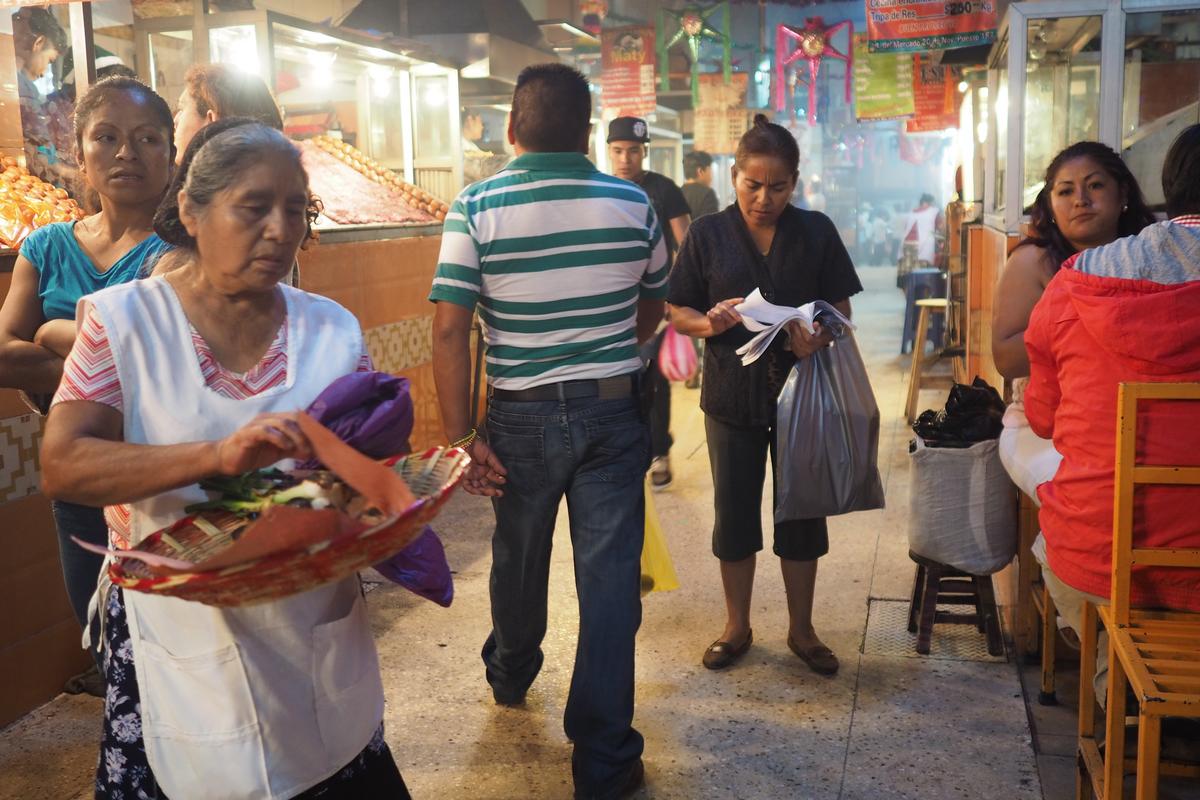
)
(123, 772)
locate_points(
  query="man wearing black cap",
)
(627, 140)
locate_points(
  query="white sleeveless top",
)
(262, 701)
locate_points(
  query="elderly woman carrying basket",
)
(194, 374)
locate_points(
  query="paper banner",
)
(721, 117)
(627, 71)
(909, 26)
(883, 83)
(936, 96)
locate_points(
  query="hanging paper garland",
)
(813, 42)
(694, 28)
(593, 13)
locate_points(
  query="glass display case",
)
(47, 56)
(397, 110)
(1062, 71)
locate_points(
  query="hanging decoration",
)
(936, 108)
(627, 71)
(912, 26)
(593, 13)
(883, 84)
(813, 42)
(721, 117)
(693, 28)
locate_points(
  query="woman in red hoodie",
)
(1128, 311)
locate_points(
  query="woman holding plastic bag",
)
(793, 257)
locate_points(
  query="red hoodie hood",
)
(1153, 327)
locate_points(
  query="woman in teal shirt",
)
(123, 132)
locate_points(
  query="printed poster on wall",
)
(627, 71)
(936, 96)
(883, 83)
(722, 116)
(909, 26)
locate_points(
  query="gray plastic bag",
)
(827, 436)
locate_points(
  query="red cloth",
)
(1086, 335)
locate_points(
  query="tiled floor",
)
(889, 725)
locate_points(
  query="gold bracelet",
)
(465, 441)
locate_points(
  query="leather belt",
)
(615, 388)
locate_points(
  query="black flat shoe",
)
(720, 655)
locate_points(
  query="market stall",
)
(377, 122)
(1126, 74)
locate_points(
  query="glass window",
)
(1000, 143)
(485, 145)
(237, 46)
(37, 81)
(431, 120)
(330, 86)
(1062, 92)
(1162, 90)
(171, 54)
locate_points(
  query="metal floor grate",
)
(887, 635)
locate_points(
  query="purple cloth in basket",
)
(422, 569)
(370, 411)
(373, 413)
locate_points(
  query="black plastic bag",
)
(973, 414)
(827, 436)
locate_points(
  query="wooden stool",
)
(916, 376)
(939, 583)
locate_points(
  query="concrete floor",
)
(889, 725)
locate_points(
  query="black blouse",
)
(719, 260)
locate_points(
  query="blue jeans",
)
(81, 569)
(595, 452)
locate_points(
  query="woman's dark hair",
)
(1045, 233)
(226, 92)
(1181, 173)
(96, 94)
(695, 161)
(765, 138)
(213, 161)
(95, 97)
(42, 23)
(551, 109)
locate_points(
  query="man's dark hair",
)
(551, 109)
(43, 23)
(927, 199)
(695, 161)
(1181, 174)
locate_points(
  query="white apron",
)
(267, 700)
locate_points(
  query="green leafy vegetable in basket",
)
(250, 494)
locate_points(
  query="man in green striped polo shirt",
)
(567, 269)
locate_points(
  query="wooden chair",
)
(1036, 618)
(1155, 653)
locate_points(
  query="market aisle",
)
(887, 726)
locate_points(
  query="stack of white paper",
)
(767, 319)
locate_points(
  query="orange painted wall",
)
(385, 284)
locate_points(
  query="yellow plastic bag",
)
(658, 574)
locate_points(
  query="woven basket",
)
(431, 475)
